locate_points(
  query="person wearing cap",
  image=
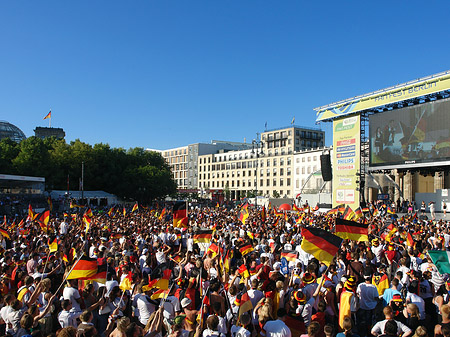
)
(398, 307)
(368, 300)
(310, 287)
(348, 304)
(190, 313)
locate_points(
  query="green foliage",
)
(134, 174)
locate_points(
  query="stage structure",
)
(405, 127)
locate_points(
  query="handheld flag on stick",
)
(321, 244)
(179, 212)
(135, 207)
(352, 230)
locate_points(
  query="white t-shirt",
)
(237, 331)
(276, 329)
(417, 300)
(378, 328)
(144, 309)
(368, 296)
(73, 295)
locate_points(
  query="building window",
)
(274, 182)
(268, 183)
(281, 182)
(288, 182)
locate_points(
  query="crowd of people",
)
(218, 276)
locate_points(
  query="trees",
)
(135, 174)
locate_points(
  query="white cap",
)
(185, 302)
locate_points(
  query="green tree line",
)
(132, 174)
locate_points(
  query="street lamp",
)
(258, 149)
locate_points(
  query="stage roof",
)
(417, 88)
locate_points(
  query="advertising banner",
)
(382, 97)
(346, 161)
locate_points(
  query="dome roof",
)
(8, 130)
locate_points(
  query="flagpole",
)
(50, 119)
(48, 255)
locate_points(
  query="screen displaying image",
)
(411, 135)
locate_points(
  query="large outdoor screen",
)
(413, 136)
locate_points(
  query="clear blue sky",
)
(161, 74)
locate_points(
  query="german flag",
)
(179, 212)
(124, 212)
(135, 207)
(295, 208)
(381, 282)
(245, 304)
(290, 255)
(126, 283)
(321, 244)
(391, 233)
(243, 271)
(390, 210)
(226, 261)
(203, 235)
(163, 213)
(300, 219)
(375, 212)
(276, 222)
(348, 213)
(31, 216)
(183, 223)
(213, 249)
(87, 221)
(351, 230)
(278, 213)
(243, 214)
(332, 211)
(409, 240)
(366, 210)
(246, 249)
(50, 204)
(110, 212)
(100, 276)
(84, 268)
(263, 214)
(43, 220)
(53, 245)
(49, 115)
(358, 213)
(159, 294)
(5, 234)
(160, 283)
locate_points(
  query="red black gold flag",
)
(290, 255)
(100, 276)
(263, 214)
(245, 304)
(348, 213)
(352, 230)
(321, 244)
(203, 236)
(213, 249)
(84, 268)
(409, 240)
(179, 212)
(246, 249)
